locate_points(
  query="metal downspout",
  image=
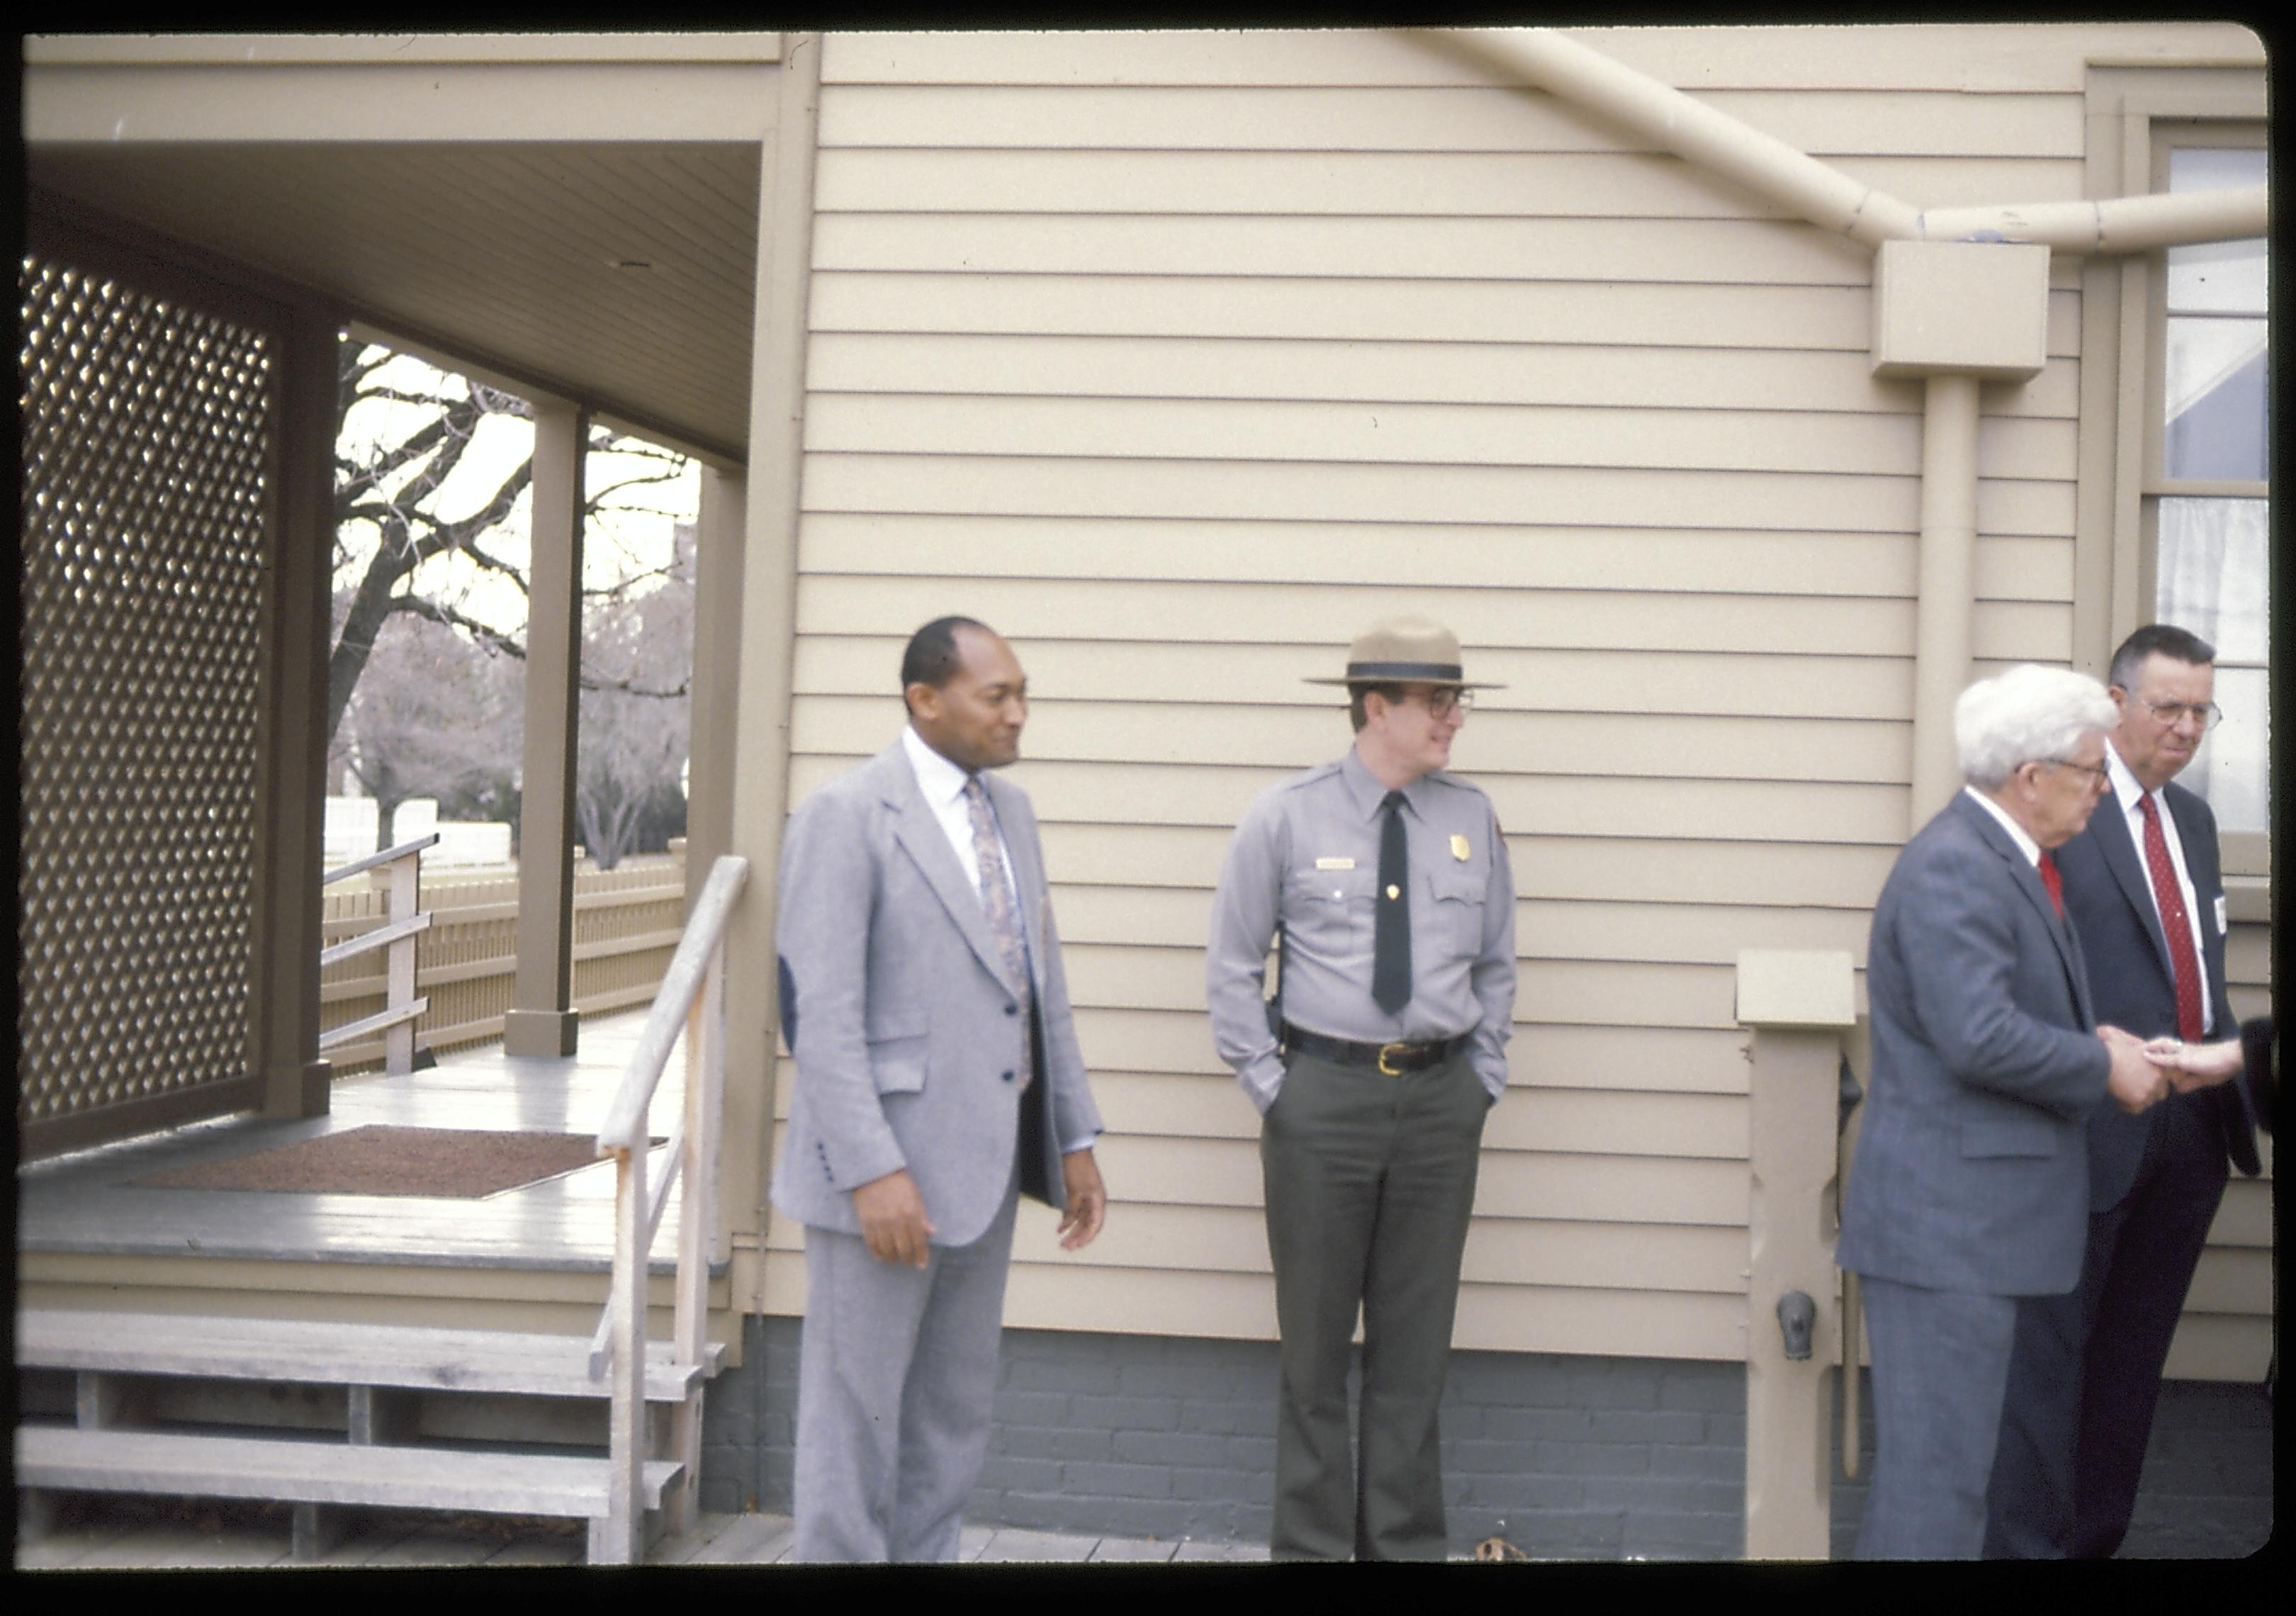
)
(1944, 598)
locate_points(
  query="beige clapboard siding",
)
(1601, 982)
(1081, 367)
(1111, 551)
(1781, 625)
(1051, 1290)
(1156, 861)
(1208, 1238)
(1026, 485)
(1380, 119)
(1623, 185)
(1191, 1188)
(1623, 1059)
(1718, 812)
(1537, 1113)
(1126, 917)
(1580, 681)
(1727, 251)
(1627, 314)
(2248, 956)
(1202, 1102)
(2245, 1216)
(1198, 431)
(1954, 59)
(1638, 744)
(1101, 329)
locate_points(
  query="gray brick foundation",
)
(1565, 1457)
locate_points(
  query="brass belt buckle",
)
(1385, 1071)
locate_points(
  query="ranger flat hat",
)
(1407, 650)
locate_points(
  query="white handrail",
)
(388, 856)
(693, 999)
(405, 919)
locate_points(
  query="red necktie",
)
(2169, 893)
(2053, 882)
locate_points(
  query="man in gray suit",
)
(938, 1079)
(1969, 1188)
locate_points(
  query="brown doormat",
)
(460, 1163)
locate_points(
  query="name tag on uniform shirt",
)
(1335, 863)
(2224, 920)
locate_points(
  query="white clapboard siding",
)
(1180, 357)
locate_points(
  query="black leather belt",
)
(1392, 1060)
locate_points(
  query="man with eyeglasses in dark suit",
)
(2143, 890)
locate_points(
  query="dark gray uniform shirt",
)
(1307, 858)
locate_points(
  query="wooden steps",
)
(303, 1471)
(375, 1464)
(326, 1353)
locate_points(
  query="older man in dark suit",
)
(2145, 891)
(1970, 1186)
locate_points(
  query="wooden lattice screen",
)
(148, 463)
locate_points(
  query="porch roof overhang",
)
(572, 216)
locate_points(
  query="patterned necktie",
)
(997, 902)
(1391, 937)
(2054, 881)
(2169, 893)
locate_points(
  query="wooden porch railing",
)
(693, 996)
(403, 923)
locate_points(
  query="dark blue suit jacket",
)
(2109, 900)
(1970, 1174)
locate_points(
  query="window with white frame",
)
(2208, 483)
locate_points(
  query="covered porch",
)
(90, 1234)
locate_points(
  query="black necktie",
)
(1391, 943)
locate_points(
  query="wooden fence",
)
(627, 922)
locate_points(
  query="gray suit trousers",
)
(1940, 1369)
(1370, 1181)
(897, 1379)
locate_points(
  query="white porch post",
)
(542, 1018)
(717, 674)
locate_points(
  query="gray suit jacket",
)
(1971, 1171)
(908, 1043)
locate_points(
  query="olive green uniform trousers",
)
(1369, 1180)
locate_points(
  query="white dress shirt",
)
(2129, 793)
(2026, 845)
(943, 785)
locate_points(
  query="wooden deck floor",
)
(108, 1534)
(86, 1203)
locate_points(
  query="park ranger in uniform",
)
(1382, 882)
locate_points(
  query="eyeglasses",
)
(2103, 774)
(2174, 713)
(1440, 703)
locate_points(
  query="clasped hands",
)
(895, 1230)
(2143, 1073)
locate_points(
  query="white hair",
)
(2030, 713)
